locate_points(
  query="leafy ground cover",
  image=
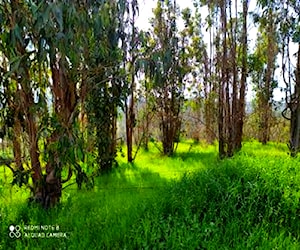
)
(189, 201)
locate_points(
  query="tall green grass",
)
(232, 205)
(189, 201)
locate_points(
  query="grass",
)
(189, 201)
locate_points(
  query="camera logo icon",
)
(14, 231)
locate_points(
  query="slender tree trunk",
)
(209, 102)
(129, 128)
(210, 90)
(231, 93)
(166, 124)
(295, 112)
(241, 107)
(233, 105)
(113, 132)
(146, 126)
(83, 119)
(130, 118)
(223, 83)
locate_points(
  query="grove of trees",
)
(70, 69)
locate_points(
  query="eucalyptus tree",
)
(232, 67)
(230, 71)
(263, 65)
(259, 65)
(204, 84)
(210, 85)
(290, 34)
(130, 50)
(167, 66)
(58, 58)
(18, 86)
(145, 96)
(243, 67)
(107, 85)
(40, 82)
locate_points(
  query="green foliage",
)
(20, 177)
(58, 58)
(108, 88)
(296, 36)
(165, 62)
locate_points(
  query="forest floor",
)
(192, 200)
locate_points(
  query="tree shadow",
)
(206, 158)
(130, 176)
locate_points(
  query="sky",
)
(146, 7)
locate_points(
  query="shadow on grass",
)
(205, 157)
(130, 176)
(93, 219)
(230, 205)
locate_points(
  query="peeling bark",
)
(17, 130)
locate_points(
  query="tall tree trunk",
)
(31, 128)
(231, 94)
(166, 124)
(170, 122)
(65, 100)
(24, 102)
(209, 104)
(295, 112)
(236, 86)
(223, 83)
(209, 90)
(129, 126)
(17, 131)
(130, 116)
(146, 124)
(241, 104)
(113, 132)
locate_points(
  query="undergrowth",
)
(233, 205)
(189, 201)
